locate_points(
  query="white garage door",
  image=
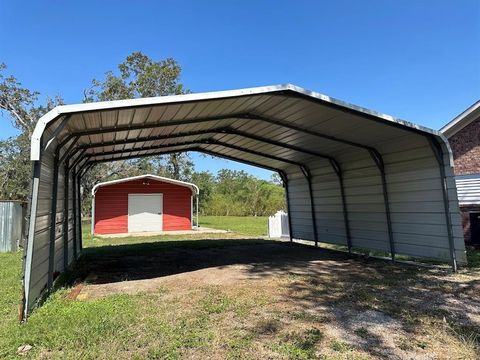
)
(145, 212)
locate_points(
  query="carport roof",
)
(272, 127)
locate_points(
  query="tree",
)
(20, 106)
(206, 184)
(140, 76)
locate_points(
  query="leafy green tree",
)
(141, 76)
(19, 106)
(206, 183)
(241, 194)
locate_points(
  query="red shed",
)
(146, 203)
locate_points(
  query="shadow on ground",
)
(366, 298)
(152, 260)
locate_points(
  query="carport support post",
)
(53, 223)
(377, 158)
(74, 209)
(338, 171)
(79, 212)
(37, 165)
(308, 176)
(65, 216)
(196, 200)
(284, 177)
(437, 150)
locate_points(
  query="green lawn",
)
(239, 225)
(234, 321)
(254, 226)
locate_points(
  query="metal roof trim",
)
(154, 177)
(119, 104)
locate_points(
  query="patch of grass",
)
(215, 302)
(240, 319)
(300, 345)
(340, 346)
(237, 345)
(245, 225)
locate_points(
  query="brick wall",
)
(465, 211)
(466, 149)
(465, 146)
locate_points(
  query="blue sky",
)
(417, 60)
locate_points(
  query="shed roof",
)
(191, 186)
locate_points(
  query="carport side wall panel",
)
(41, 231)
(111, 205)
(59, 265)
(365, 202)
(328, 203)
(455, 216)
(416, 195)
(299, 211)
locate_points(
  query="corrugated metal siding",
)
(59, 264)
(468, 187)
(111, 205)
(415, 193)
(39, 266)
(11, 225)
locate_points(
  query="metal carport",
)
(352, 176)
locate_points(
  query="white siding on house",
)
(468, 189)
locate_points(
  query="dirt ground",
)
(329, 303)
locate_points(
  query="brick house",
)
(463, 133)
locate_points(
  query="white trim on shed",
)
(191, 186)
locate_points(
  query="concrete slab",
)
(199, 230)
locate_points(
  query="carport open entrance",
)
(353, 177)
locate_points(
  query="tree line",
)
(228, 192)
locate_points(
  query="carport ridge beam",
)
(220, 130)
(206, 151)
(196, 142)
(247, 116)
